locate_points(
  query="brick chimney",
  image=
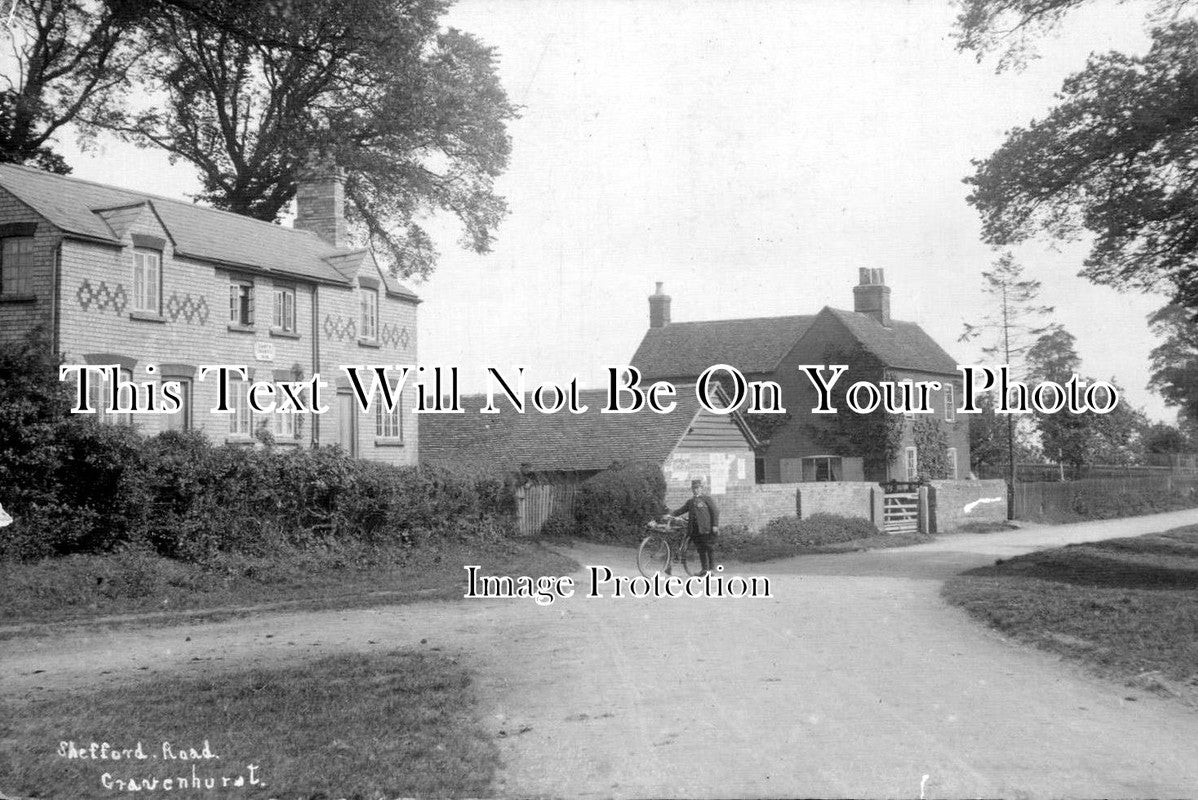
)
(659, 308)
(320, 201)
(872, 296)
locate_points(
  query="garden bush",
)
(819, 529)
(616, 503)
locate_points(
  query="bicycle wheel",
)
(689, 556)
(653, 556)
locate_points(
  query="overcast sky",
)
(750, 155)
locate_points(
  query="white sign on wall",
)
(264, 351)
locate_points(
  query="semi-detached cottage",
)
(161, 287)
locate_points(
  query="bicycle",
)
(656, 554)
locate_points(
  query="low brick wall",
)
(957, 503)
(844, 498)
(752, 507)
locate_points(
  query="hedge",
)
(188, 499)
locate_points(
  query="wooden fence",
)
(540, 502)
(1054, 500)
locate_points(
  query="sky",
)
(749, 155)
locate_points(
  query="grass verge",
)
(399, 724)
(81, 587)
(1127, 607)
(752, 550)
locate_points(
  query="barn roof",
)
(685, 349)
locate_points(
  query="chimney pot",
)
(659, 308)
(320, 201)
(872, 296)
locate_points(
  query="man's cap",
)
(696, 482)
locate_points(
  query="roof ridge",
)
(151, 196)
(736, 319)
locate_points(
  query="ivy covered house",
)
(801, 446)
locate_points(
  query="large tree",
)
(412, 112)
(1114, 160)
(64, 59)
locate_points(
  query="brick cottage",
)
(161, 287)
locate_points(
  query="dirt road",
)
(853, 680)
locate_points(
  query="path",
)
(854, 680)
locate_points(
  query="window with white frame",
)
(370, 313)
(147, 281)
(99, 390)
(284, 425)
(16, 265)
(950, 402)
(389, 424)
(241, 421)
(284, 309)
(912, 463)
(952, 463)
(241, 303)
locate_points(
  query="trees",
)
(1080, 439)
(1013, 323)
(1113, 159)
(1175, 361)
(248, 92)
(68, 58)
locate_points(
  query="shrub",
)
(819, 529)
(183, 498)
(616, 503)
(559, 526)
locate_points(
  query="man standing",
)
(703, 524)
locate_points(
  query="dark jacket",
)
(703, 515)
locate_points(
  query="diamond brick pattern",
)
(193, 311)
(102, 297)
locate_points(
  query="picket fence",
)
(1053, 499)
(540, 502)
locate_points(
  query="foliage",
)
(1174, 361)
(1087, 438)
(69, 58)
(819, 529)
(931, 443)
(987, 436)
(1017, 319)
(876, 436)
(413, 114)
(249, 93)
(1161, 437)
(1113, 160)
(616, 503)
(183, 498)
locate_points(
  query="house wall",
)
(95, 319)
(19, 314)
(798, 438)
(338, 328)
(715, 450)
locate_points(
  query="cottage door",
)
(347, 424)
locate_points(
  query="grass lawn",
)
(1128, 607)
(399, 724)
(82, 587)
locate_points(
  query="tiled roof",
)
(903, 345)
(75, 206)
(685, 349)
(554, 442)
